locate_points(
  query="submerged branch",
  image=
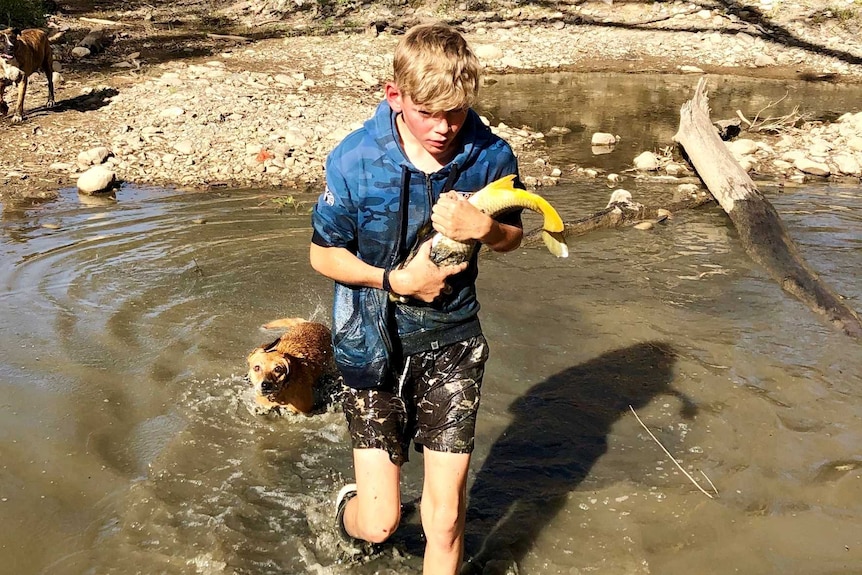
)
(619, 214)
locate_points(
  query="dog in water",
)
(285, 372)
(23, 52)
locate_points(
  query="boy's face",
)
(436, 132)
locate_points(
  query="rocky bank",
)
(262, 102)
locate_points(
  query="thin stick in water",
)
(690, 478)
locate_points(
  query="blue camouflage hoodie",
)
(378, 206)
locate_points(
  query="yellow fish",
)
(496, 198)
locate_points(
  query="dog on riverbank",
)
(285, 372)
(22, 53)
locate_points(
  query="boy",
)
(413, 370)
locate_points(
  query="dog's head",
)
(269, 371)
(8, 37)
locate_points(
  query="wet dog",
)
(285, 372)
(22, 53)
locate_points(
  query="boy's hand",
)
(459, 220)
(421, 278)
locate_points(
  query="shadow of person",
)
(559, 431)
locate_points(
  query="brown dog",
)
(285, 372)
(23, 52)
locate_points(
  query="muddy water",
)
(127, 444)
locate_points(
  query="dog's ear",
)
(272, 346)
(16, 32)
(291, 357)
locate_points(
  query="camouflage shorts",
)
(436, 407)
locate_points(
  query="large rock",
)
(847, 164)
(603, 139)
(852, 119)
(80, 52)
(807, 166)
(96, 180)
(646, 161)
(184, 147)
(742, 147)
(94, 156)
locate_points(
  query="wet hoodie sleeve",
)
(334, 215)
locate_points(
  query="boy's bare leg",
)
(444, 496)
(374, 513)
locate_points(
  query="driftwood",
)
(621, 213)
(228, 37)
(101, 21)
(761, 231)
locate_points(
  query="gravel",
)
(265, 113)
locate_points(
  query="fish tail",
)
(556, 243)
(501, 195)
(553, 222)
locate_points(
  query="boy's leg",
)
(444, 495)
(447, 401)
(377, 421)
(374, 513)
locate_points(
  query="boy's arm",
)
(343, 266)
(459, 220)
(502, 237)
(419, 279)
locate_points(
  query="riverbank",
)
(261, 101)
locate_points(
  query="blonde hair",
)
(436, 68)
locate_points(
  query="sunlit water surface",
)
(127, 444)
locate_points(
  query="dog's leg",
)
(48, 68)
(4, 108)
(22, 91)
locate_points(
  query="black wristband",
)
(387, 287)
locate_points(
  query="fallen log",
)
(619, 213)
(760, 228)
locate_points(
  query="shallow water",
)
(643, 109)
(127, 445)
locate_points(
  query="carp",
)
(498, 197)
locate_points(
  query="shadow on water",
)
(559, 431)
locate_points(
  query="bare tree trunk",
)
(761, 231)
